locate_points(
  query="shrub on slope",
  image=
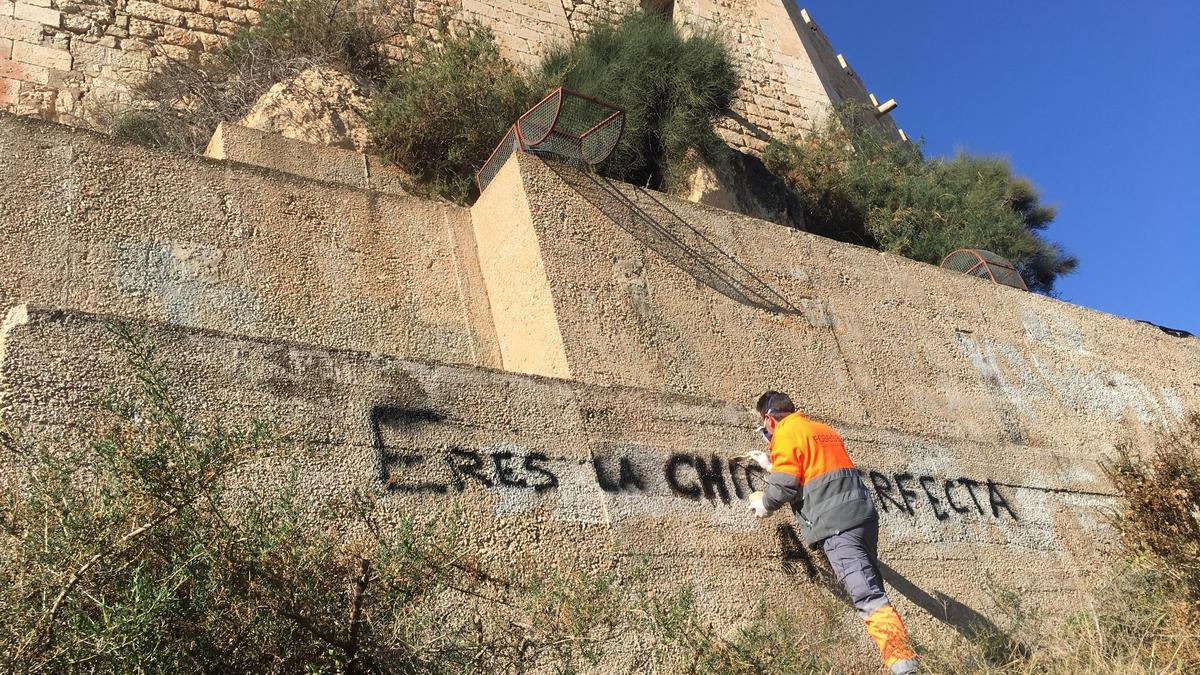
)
(673, 89)
(860, 187)
(189, 98)
(443, 110)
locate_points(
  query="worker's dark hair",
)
(779, 403)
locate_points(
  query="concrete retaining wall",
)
(113, 227)
(656, 292)
(978, 413)
(561, 473)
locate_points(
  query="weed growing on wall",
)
(858, 186)
(673, 89)
(189, 98)
(442, 111)
(1161, 521)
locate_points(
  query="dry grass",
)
(1147, 618)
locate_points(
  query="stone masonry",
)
(78, 62)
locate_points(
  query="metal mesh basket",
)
(985, 265)
(508, 145)
(565, 124)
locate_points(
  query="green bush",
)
(858, 186)
(443, 110)
(673, 89)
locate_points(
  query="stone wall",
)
(525, 29)
(78, 62)
(790, 73)
(114, 227)
(75, 62)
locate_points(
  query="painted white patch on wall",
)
(580, 500)
(1063, 368)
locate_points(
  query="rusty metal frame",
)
(524, 144)
(987, 266)
(549, 128)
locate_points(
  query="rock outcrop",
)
(742, 184)
(321, 106)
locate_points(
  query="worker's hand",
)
(756, 506)
(761, 458)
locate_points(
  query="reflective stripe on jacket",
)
(811, 471)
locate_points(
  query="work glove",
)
(761, 458)
(756, 506)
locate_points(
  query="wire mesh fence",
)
(985, 265)
(508, 145)
(565, 124)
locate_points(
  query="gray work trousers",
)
(853, 555)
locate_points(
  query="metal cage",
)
(564, 124)
(985, 265)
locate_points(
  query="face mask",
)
(765, 434)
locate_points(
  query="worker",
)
(810, 470)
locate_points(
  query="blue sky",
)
(1098, 103)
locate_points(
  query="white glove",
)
(756, 506)
(761, 458)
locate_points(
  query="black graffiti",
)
(883, 490)
(750, 474)
(463, 465)
(792, 551)
(712, 478)
(944, 495)
(906, 492)
(971, 485)
(505, 473)
(685, 490)
(998, 501)
(533, 465)
(936, 503)
(706, 478)
(466, 466)
(947, 489)
(627, 478)
(398, 417)
(689, 476)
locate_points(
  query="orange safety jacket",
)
(811, 471)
